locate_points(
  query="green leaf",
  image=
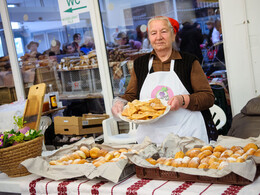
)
(18, 120)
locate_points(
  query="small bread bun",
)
(151, 161)
(226, 153)
(194, 162)
(185, 161)
(241, 152)
(71, 157)
(207, 148)
(176, 162)
(250, 145)
(114, 160)
(235, 156)
(219, 148)
(94, 152)
(245, 156)
(222, 159)
(214, 165)
(64, 158)
(222, 165)
(53, 162)
(79, 161)
(102, 152)
(179, 154)
(98, 159)
(123, 156)
(235, 148)
(213, 159)
(193, 152)
(100, 162)
(205, 160)
(109, 156)
(123, 150)
(257, 153)
(160, 160)
(85, 150)
(117, 154)
(251, 151)
(168, 162)
(231, 160)
(76, 155)
(204, 154)
(81, 154)
(217, 154)
(203, 166)
(240, 159)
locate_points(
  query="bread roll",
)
(98, 159)
(64, 158)
(205, 160)
(231, 160)
(160, 160)
(194, 162)
(235, 148)
(245, 156)
(226, 153)
(179, 154)
(79, 161)
(213, 159)
(240, 159)
(168, 162)
(204, 154)
(222, 165)
(94, 152)
(71, 157)
(185, 161)
(102, 152)
(251, 151)
(176, 162)
(85, 150)
(109, 156)
(123, 150)
(81, 154)
(241, 152)
(203, 166)
(117, 154)
(53, 162)
(207, 148)
(257, 153)
(217, 154)
(250, 145)
(214, 165)
(193, 152)
(99, 162)
(151, 161)
(219, 148)
(235, 156)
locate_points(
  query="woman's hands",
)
(179, 101)
(117, 107)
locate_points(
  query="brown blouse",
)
(201, 99)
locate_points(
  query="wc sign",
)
(70, 10)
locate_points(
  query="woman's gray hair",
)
(161, 18)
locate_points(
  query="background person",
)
(187, 90)
(77, 41)
(33, 47)
(88, 45)
(55, 48)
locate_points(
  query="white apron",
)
(183, 122)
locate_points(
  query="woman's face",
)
(160, 35)
(33, 47)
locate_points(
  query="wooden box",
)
(87, 124)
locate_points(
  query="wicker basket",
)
(11, 157)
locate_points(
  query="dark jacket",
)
(247, 123)
(191, 38)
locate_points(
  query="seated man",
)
(247, 123)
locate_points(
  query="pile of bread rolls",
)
(95, 155)
(208, 157)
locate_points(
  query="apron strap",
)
(150, 64)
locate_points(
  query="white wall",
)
(241, 37)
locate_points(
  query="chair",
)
(45, 122)
(124, 138)
(218, 116)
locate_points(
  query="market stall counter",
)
(33, 184)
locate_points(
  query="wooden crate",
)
(79, 125)
(44, 74)
(7, 95)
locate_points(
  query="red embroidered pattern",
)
(46, 186)
(118, 184)
(132, 190)
(80, 185)
(32, 185)
(62, 187)
(95, 187)
(182, 188)
(232, 190)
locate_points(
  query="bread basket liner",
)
(173, 143)
(110, 170)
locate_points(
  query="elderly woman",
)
(176, 77)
